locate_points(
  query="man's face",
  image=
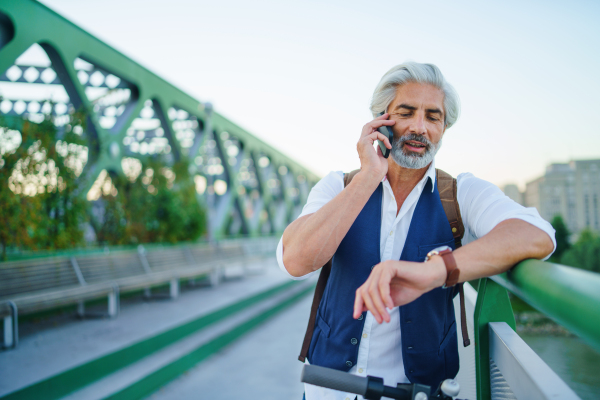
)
(418, 110)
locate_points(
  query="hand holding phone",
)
(387, 131)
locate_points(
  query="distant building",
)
(513, 192)
(571, 190)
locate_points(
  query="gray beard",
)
(414, 160)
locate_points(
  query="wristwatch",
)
(450, 263)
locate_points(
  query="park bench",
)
(29, 286)
(35, 285)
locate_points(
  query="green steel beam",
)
(26, 22)
(570, 296)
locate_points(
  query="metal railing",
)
(569, 296)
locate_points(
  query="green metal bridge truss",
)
(51, 66)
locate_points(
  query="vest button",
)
(354, 341)
(372, 266)
(349, 363)
(410, 347)
(411, 371)
(409, 321)
(360, 318)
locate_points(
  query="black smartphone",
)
(387, 131)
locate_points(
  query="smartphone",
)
(387, 131)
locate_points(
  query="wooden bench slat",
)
(17, 277)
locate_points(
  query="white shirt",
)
(482, 207)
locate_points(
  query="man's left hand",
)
(395, 283)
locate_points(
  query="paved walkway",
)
(262, 365)
(56, 349)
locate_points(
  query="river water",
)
(574, 361)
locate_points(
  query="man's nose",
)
(418, 124)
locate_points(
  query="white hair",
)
(410, 71)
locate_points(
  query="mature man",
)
(385, 312)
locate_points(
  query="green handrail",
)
(570, 296)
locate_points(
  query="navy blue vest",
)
(428, 328)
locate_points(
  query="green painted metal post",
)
(492, 305)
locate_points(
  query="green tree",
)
(64, 207)
(585, 253)
(157, 206)
(562, 238)
(111, 225)
(39, 192)
(20, 212)
(43, 206)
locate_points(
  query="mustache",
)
(415, 138)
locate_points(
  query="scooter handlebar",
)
(373, 387)
(333, 379)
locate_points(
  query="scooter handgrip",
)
(333, 379)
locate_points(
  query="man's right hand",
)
(311, 240)
(371, 159)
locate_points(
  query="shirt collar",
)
(429, 174)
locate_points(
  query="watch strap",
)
(451, 268)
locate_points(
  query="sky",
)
(300, 74)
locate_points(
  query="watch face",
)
(437, 251)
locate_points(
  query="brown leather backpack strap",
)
(463, 316)
(319, 290)
(348, 177)
(449, 197)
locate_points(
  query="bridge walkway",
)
(262, 365)
(50, 350)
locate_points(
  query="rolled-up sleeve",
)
(325, 190)
(483, 206)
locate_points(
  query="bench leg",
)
(147, 293)
(81, 309)
(174, 288)
(11, 328)
(113, 303)
(8, 332)
(245, 268)
(215, 276)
